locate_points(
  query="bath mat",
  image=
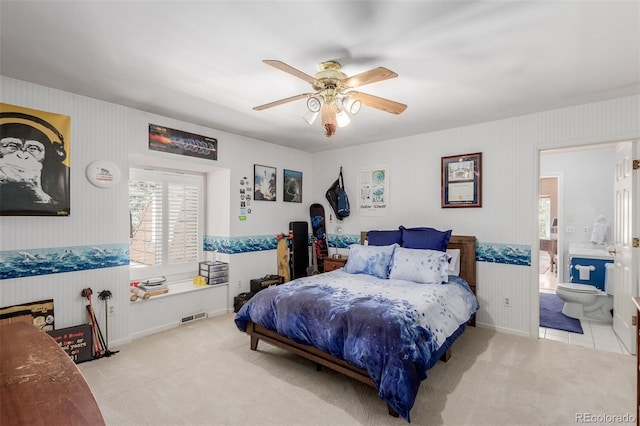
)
(551, 315)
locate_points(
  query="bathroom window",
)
(544, 218)
(165, 222)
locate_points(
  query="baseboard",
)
(119, 342)
(503, 329)
(154, 330)
(159, 329)
(219, 312)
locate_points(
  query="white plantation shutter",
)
(145, 206)
(182, 224)
(165, 218)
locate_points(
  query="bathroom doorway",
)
(585, 190)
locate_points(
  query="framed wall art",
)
(34, 163)
(264, 183)
(178, 142)
(373, 185)
(462, 180)
(292, 186)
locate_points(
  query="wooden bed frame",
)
(467, 246)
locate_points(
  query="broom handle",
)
(106, 325)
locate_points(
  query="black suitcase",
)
(299, 250)
(258, 284)
(240, 300)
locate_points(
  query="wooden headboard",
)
(467, 246)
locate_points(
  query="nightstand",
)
(331, 264)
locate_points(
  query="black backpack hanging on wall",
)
(337, 197)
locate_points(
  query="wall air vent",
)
(193, 317)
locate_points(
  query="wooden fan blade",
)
(282, 101)
(291, 70)
(379, 103)
(368, 77)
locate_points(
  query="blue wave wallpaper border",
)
(248, 244)
(31, 262)
(343, 241)
(510, 254)
(237, 245)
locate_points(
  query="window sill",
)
(181, 287)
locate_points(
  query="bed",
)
(383, 331)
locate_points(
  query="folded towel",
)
(585, 271)
(599, 233)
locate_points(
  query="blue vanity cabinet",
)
(596, 277)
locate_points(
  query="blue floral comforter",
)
(394, 329)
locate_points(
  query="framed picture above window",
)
(178, 142)
(292, 186)
(462, 180)
(264, 183)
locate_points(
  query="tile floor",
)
(596, 335)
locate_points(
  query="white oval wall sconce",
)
(103, 173)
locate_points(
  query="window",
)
(166, 222)
(544, 218)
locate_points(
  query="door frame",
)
(534, 285)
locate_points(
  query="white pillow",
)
(454, 261)
(370, 260)
(423, 266)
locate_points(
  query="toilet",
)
(588, 302)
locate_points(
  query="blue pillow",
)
(370, 260)
(384, 238)
(425, 238)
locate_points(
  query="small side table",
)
(331, 263)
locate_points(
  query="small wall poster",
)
(245, 197)
(264, 183)
(292, 191)
(373, 186)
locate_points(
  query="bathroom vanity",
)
(588, 267)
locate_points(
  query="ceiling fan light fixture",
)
(310, 117)
(329, 129)
(342, 118)
(333, 96)
(351, 105)
(314, 103)
(329, 119)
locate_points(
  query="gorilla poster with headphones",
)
(34, 162)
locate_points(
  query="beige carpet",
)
(203, 373)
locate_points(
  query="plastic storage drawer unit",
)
(214, 272)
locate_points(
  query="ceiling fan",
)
(333, 97)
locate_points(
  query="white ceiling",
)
(459, 62)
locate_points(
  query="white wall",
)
(510, 150)
(110, 132)
(104, 131)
